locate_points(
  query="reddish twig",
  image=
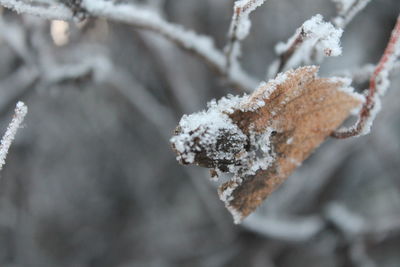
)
(377, 84)
(286, 56)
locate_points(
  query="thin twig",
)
(312, 41)
(36, 8)
(239, 29)
(346, 12)
(20, 111)
(200, 45)
(292, 229)
(285, 56)
(377, 86)
(362, 74)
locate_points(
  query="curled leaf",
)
(263, 137)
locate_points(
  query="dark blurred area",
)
(91, 180)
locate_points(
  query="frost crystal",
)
(211, 132)
(241, 21)
(314, 40)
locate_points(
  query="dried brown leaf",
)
(294, 114)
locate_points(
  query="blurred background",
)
(91, 179)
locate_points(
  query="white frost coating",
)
(241, 23)
(149, 19)
(347, 9)
(251, 164)
(382, 80)
(201, 130)
(211, 134)
(238, 31)
(263, 92)
(44, 9)
(20, 112)
(226, 195)
(347, 88)
(139, 16)
(319, 39)
(379, 79)
(372, 116)
(358, 75)
(237, 215)
(369, 121)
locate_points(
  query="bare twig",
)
(239, 29)
(377, 86)
(200, 45)
(347, 10)
(20, 112)
(313, 41)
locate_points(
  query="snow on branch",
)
(148, 19)
(239, 29)
(347, 10)
(363, 73)
(378, 84)
(20, 111)
(43, 9)
(313, 41)
(200, 45)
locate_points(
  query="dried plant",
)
(263, 137)
(259, 138)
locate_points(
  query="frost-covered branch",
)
(363, 74)
(293, 229)
(347, 10)
(20, 111)
(239, 29)
(200, 45)
(145, 18)
(378, 84)
(313, 41)
(43, 9)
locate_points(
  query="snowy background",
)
(91, 179)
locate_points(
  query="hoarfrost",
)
(241, 21)
(263, 92)
(347, 9)
(20, 112)
(347, 88)
(313, 41)
(205, 130)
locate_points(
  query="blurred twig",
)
(378, 83)
(347, 10)
(239, 29)
(20, 112)
(145, 18)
